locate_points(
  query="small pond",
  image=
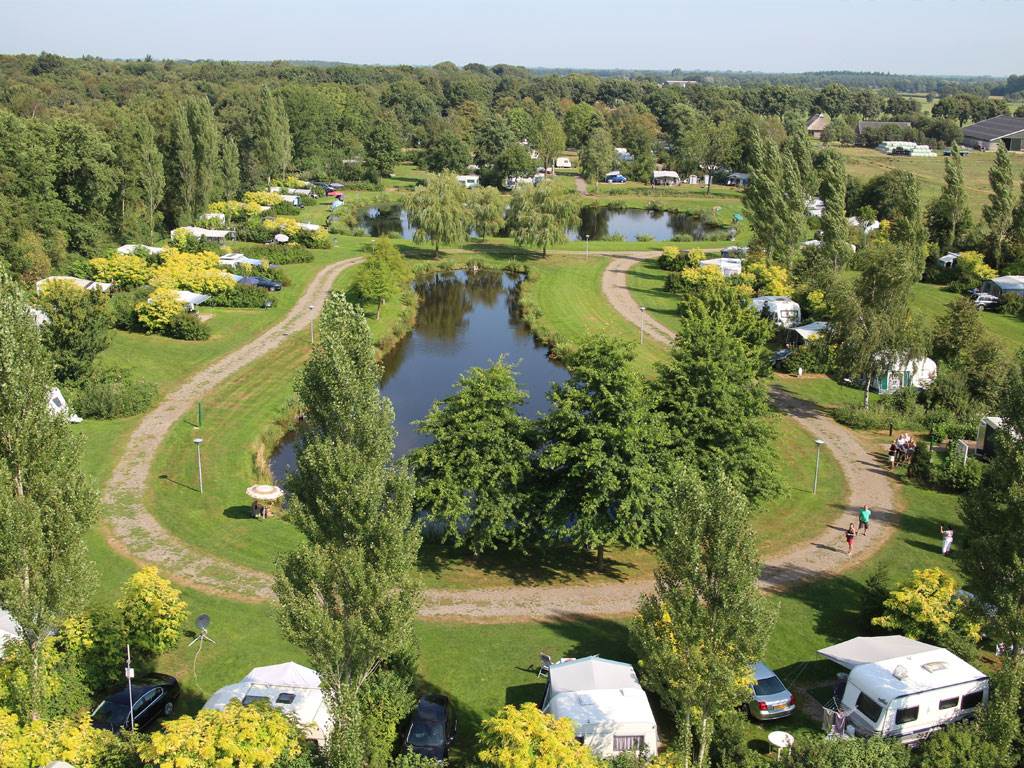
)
(600, 222)
(464, 320)
(597, 222)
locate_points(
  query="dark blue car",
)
(431, 728)
(152, 696)
(260, 282)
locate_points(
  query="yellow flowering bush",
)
(235, 209)
(152, 611)
(160, 310)
(525, 737)
(198, 272)
(39, 742)
(125, 270)
(927, 608)
(254, 736)
(282, 224)
(263, 198)
(310, 238)
(766, 279)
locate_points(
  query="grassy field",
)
(863, 163)
(931, 301)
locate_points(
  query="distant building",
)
(681, 83)
(989, 134)
(871, 125)
(817, 125)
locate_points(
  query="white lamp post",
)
(199, 461)
(586, 238)
(311, 318)
(643, 323)
(129, 673)
(817, 463)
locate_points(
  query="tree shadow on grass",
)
(180, 484)
(500, 250)
(536, 569)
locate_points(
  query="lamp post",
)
(643, 323)
(199, 461)
(311, 318)
(586, 239)
(817, 463)
(129, 674)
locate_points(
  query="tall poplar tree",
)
(348, 595)
(998, 213)
(46, 506)
(949, 217)
(206, 141)
(834, 229)
(769, 203)
(179, 204)
(140, 176)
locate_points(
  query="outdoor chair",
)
(545, 666)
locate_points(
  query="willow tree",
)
(439, 213)
(539, 216)
(348, 594)
(46, 506)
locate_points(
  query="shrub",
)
(813, 356)
(195, 271)
(279, 254)
(1013, 305)
(152, 611)
(157, 312)
(122, 305)
(858, 417)
(187, 327)
(243, 296)
(644, 238)
(123, 270)
(262, 198)
(78, 329)
(955, 476)
(111, 393)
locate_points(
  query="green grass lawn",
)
(931, 302)
(863, 163)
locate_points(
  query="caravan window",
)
(868, 707)
(906, 715)
(971, 700)
(285, 698)
(949, 703)
(627, 743)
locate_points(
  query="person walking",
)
(850, 536)
(947, 540)
(864, 519)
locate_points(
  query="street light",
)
(129, 674)
(817, 463)
(643, 322)
(586, 238)
(311, 318)
(199, 461)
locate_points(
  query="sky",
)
(941, 37)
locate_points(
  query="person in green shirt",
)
(865, 518)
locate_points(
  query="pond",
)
(599, 222)
(464, 320)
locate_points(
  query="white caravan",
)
(903, 688)
(781, 309)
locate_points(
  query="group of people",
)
(901, 451)
(864, 520)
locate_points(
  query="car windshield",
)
(110, 712)
(426, 733)
(768, 686)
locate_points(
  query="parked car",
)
(770, 699)
(260, 282)
(986, 301)
(780, 355)
(615, 178)
(431, 728)
(152, 696)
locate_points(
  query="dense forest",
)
(95, 151)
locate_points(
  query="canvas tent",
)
(8, 628)
(666, 178)
(129, 248)
(290, 687)
(1006, 285)
(234, 259)
(80, 282)
(604, 700)
(807, 332)
(191, 300)
(903, 688)
(918, 373)
(213, 235)
(728, 267)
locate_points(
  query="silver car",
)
(770, 698)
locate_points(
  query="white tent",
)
(293, 199)
(8, 628)
(203, 233)
(129, 248)
(214, 216)
(234, 259)
(290, 687)
(191, 300)
(948, 260)
(604, 700)
(79, 282)
(918, 373)
(309, 227)
(870, 650)
(40, 317)
(728, 267)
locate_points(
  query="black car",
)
(153, 696)
(431, 728)
(260, 282)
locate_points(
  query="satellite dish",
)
(203, 621)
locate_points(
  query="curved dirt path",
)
(865, 474)
(134, 532)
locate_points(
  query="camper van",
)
(781, 309)
(902, 688)
(606, 704)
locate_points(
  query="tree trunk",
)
(379, 305)
(600, 555)
(867, 389)
(702, 754)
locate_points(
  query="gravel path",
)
(138, 535)
(134, 532)
(865, 473)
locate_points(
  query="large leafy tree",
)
(525, 737)
(540, 215)
(78, 328)
(712, 391)
(993, 561)
(382, 274)
(549, 138)
(140, 183)
(998, 212)
(707, 622)
(438, 211)
(443, 148)
(487, 211)
(381, 147)
(873, 322)
(348, 595)
(47, 505)
(179, 203)
(949, 217)
(85, 179)
(472, 476)
(699, 143)
(605, 461)
(597, 154)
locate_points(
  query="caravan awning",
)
(870, 650)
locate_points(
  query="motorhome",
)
(781, 309)
(902, 688)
